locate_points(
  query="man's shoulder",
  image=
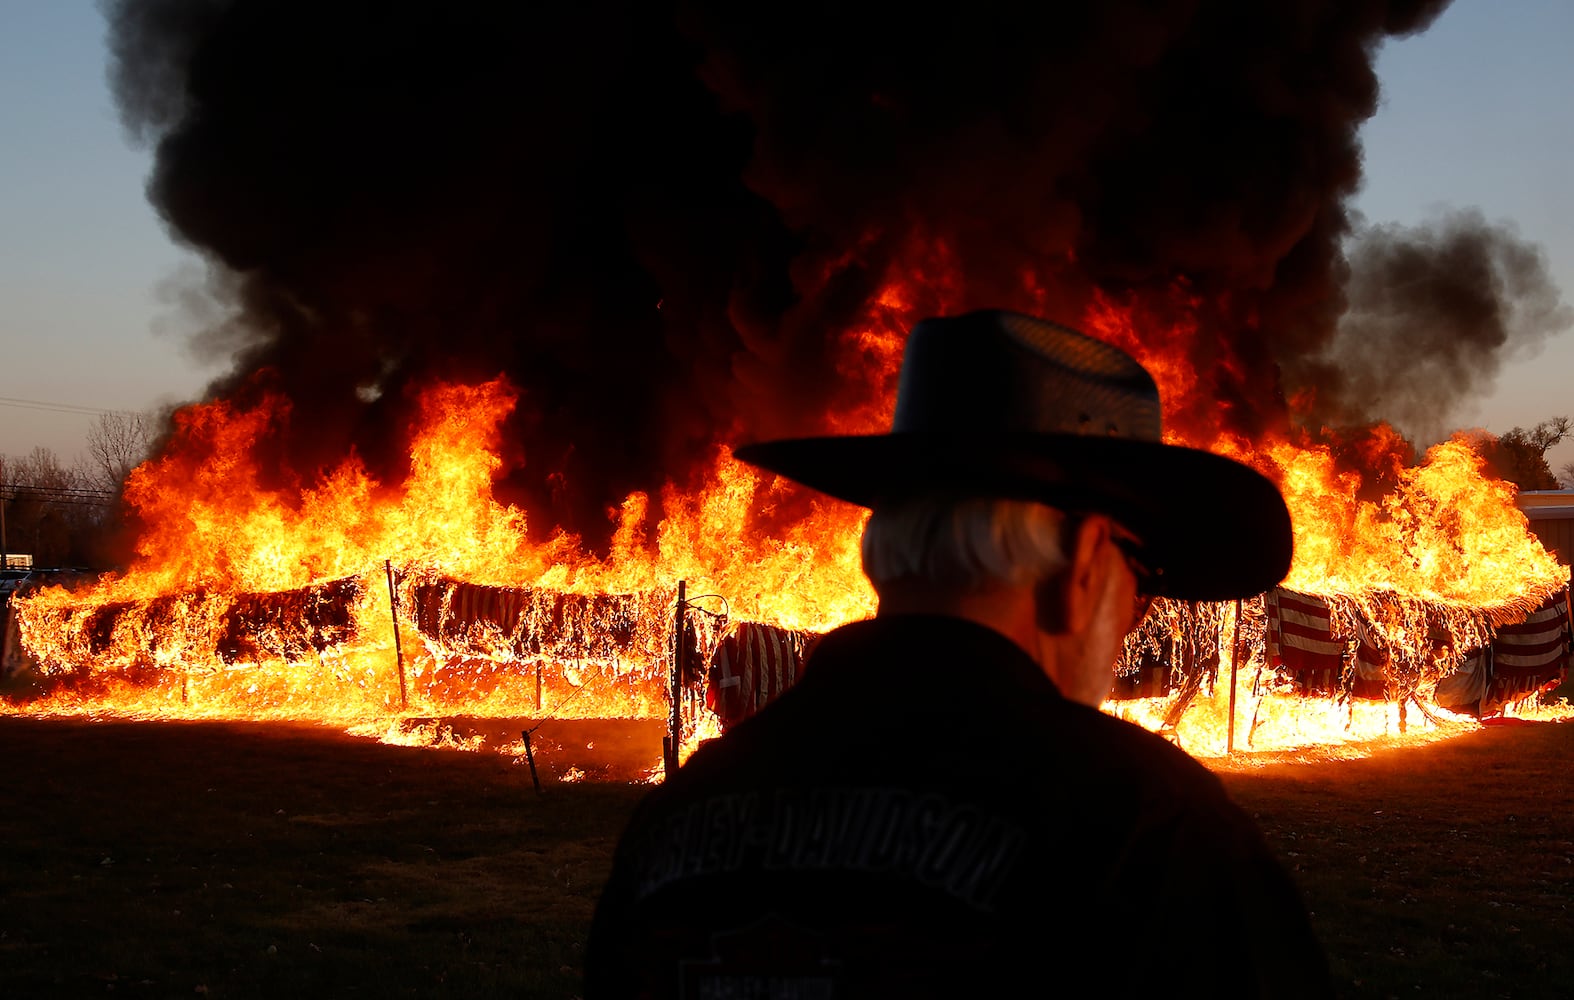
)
(1116, 760)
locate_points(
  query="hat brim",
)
(1212, 528)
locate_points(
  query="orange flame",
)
(188, 630)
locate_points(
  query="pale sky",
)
(82, 255)
(1476, 113)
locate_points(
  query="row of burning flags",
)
(492, 650)
(248, 602)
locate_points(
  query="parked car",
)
(10, 579)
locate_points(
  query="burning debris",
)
(502, 285)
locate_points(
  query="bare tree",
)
(1520, 455)
(52, 511)
(1549, 432)
(1566, 476)
(117, 443)
(41, 469)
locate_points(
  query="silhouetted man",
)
(939, 808)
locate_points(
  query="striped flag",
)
(1301, 640)
(1369, 676)
(751, 667)
(1532, 655)
(477, 604)
(447, 608)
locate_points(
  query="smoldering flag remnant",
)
(202, 629)
(669, 227)
(468, 618)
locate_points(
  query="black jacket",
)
(925, 815)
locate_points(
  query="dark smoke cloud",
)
(660, 223)
(1433, 313)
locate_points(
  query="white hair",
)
(964, 546)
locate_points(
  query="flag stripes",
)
(752, 666)
(1301, 640)
(1304, 641)
(1532, 655)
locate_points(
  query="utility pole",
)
(5, 557)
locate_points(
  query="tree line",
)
(1520, 455)
(71, 515)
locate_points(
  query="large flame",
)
(197, 625)
(217, 534)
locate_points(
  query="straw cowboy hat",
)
(998, 404)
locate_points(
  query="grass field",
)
(252, 860)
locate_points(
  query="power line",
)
(60, 501)
(82, 491)
(53, 495)
(35, 404)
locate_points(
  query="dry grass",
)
(234, 860)
(1437, 871)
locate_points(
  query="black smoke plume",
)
(659, 221)
(1433, 313)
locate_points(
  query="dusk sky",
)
(1475, 114)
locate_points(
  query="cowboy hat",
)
(999, 404)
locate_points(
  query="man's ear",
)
(1065, 603)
